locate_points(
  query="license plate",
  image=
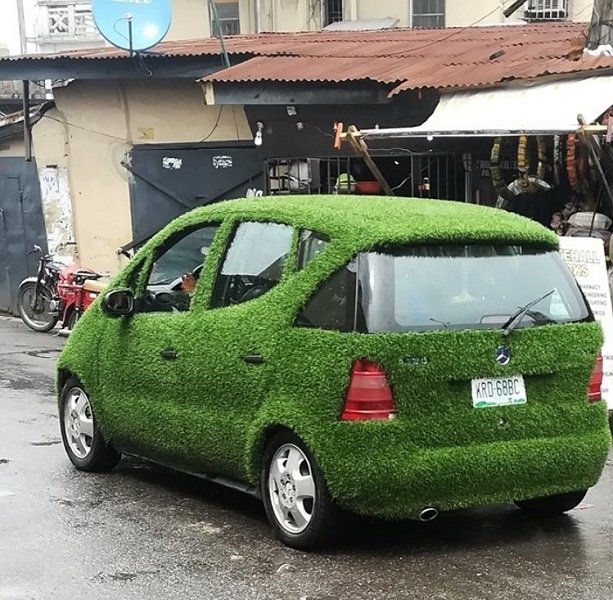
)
(499, 391)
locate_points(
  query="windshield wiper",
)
(516, 318)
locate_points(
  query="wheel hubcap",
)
(78, 423)
(291, 488)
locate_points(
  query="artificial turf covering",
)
(209, 411)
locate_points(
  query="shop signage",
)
(586, 259)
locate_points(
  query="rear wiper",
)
(515, 319)
(443, 323)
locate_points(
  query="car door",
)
(229, 358)
(140, 400)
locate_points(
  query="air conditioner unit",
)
(547, 10)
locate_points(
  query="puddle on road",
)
(21, 384)
(46, 443)
(121, 575)
(43, 353)
(77, 503)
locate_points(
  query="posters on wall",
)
(586, 259)
(57, 210)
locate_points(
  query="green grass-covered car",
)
(391, 357)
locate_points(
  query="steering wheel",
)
(239, 288)
(175, 286)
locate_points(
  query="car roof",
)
(372, 220)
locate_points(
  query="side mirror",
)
(118, 303)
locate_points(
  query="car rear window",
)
(445, 287)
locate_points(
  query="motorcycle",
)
(59, 292)
(76, 289)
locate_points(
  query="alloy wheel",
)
(78, 423)
(291, 488)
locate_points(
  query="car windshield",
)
(461, 287)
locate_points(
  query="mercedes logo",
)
(502, 355)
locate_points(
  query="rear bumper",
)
(397, 483)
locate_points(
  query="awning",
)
(547, 108)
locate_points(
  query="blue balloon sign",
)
(132, 24)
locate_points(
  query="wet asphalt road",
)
(143, 532)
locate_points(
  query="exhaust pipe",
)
(428, 514)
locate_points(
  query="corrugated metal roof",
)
(427, 72)
(389, 42)
(419, 58)
(406, 58)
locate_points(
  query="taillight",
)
(369, 396)
(593, 389)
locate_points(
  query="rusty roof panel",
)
(390, 42)
(405, 58)
(306, 68)
(412, 59)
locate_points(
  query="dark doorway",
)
(21, 226)
(168, 180)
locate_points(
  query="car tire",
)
(84, 444)
(552, 505)
(298, 503)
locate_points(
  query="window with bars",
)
(428, 13)
(228, 18)
(426, 175)
(547, 10)
(69, 21)
(333, 11)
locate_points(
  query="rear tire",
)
(552, 505)
(84, 444)
(41, 320)
(72, 319)
(298, 504)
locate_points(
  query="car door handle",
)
(253, 359)
(168, 354)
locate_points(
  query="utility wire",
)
(87, 129)
(447, 37)
(224, 53)
(588, 7)
(123, 139)
(214, 128)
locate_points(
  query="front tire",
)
(84, 444)
(296, 497)
(549, 506)
(36, 315)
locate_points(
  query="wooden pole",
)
(359, 145)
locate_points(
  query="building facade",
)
(252, 16)
(35, 26)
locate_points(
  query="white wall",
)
(9, 26)
(397, 9)
(190, 20)
(89, 133)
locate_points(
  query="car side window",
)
(176, 270)
(311, 245)
(253, 263)
(335, 305)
